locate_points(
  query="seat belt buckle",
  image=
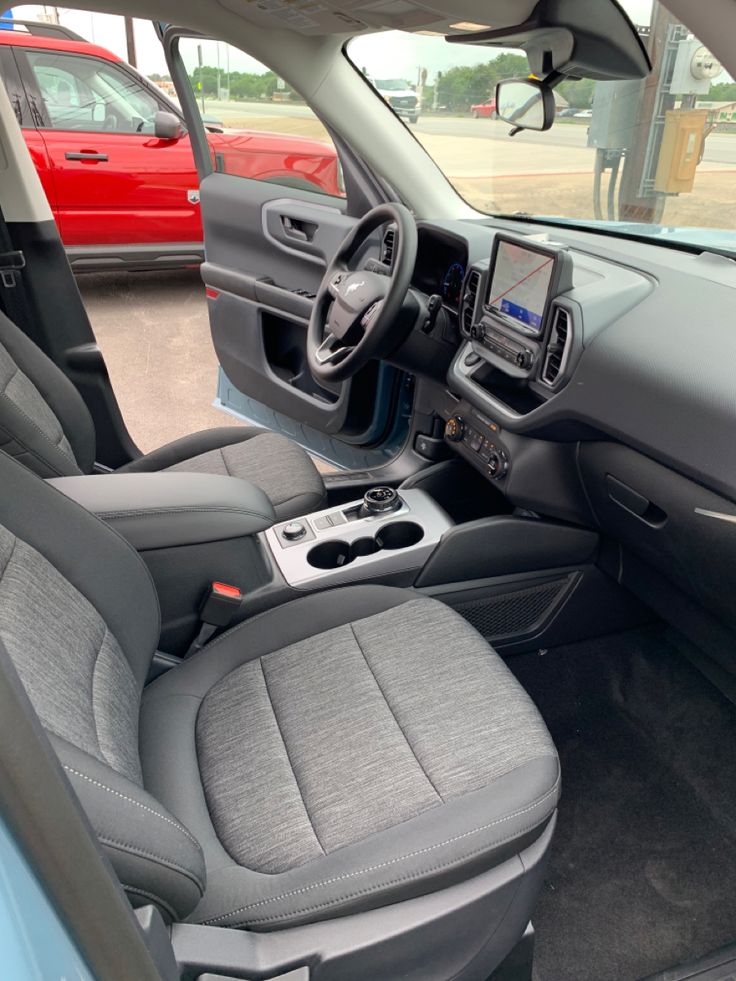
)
(10, 263)
(220, 604)
(218, 608)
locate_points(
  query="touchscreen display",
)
(520, 284)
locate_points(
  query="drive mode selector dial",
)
(381, 500)
(454, 429)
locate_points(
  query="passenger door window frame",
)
(38, 106)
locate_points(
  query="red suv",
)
(115, 159)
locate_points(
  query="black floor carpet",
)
(643, 870)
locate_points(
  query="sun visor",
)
(562, 36)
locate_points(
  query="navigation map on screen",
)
(520, 284)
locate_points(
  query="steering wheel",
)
(354, 311)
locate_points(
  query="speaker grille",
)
(511, 613)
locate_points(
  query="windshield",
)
(655, 157)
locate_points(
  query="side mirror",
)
(526, 103)
(167, 126)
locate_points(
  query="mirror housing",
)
(526, 103)
(167, 126)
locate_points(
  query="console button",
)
(321, 523)
(476, 441)
(294, 531)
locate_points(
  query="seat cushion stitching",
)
(167, 863)
(137, 891)
(14, 437)
(224, 461)
(10, 379)
(274, 917)
(38, 429)
(288, 756)
(131, 800)
(394, 715)
(400, 858)
(10, 557)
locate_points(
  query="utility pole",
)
(632, 207)
(199, 80)
(130, 41)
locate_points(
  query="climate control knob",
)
(497, 464)
(454, 429)
(524, 359)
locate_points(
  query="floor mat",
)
(643, 869)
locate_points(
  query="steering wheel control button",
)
(381, 500)
(454, 429)
(294, 531)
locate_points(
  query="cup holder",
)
(399, 534)
(330, 555)
(393, 536)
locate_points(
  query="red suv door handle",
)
(85, 155)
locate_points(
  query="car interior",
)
(461, 706)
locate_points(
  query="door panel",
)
(257, 272)
(269, 238)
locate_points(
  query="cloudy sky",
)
(391, 55)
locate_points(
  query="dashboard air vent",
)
(555, 357)
(470, 296)
(387, 252)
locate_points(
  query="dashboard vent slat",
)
(470, 296)
(387, 250)
(555, 356)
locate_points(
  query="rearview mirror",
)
(526, 103)
(167, 126)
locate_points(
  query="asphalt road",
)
(720, 148)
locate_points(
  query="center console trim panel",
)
(291, 557)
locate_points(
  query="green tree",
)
(463, 86)
(722, 92)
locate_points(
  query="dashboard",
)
(591, 379)
(441, 265)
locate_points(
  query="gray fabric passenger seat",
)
(45, 424)
(353, 750)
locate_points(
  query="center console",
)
(387, 532)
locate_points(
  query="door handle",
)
(85, 155)
(302, 231)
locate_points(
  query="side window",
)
(257, 127)
(81, 93)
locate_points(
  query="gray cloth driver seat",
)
(45, 424)
(359, 761)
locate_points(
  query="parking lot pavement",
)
(155, 336)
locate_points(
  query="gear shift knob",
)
(380, 500)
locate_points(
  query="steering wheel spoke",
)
(331, 351)
(338, 272)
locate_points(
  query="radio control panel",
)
(520, 353)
